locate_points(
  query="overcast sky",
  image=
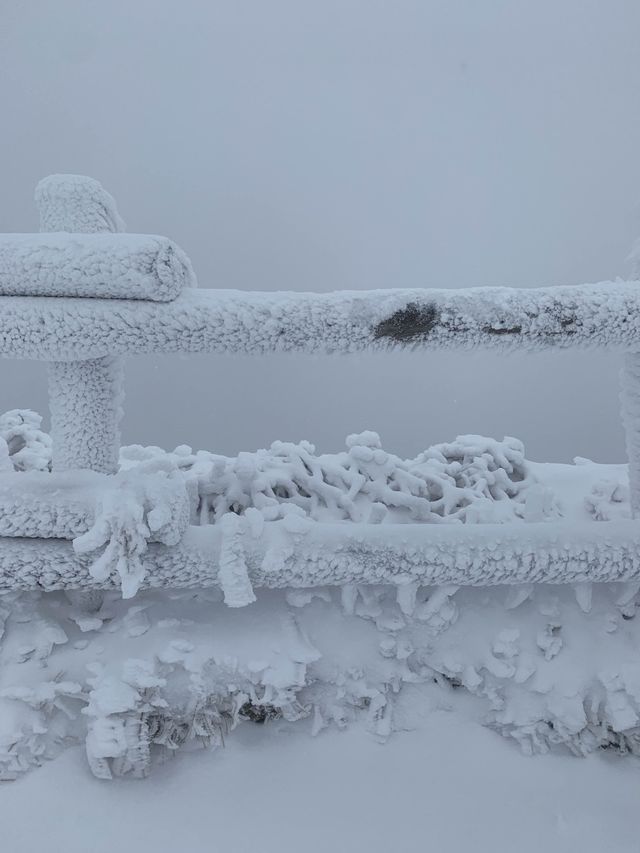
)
(344, 144)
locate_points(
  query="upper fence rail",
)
(604, 315)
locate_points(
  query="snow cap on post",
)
(76, 203)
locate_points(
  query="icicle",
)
(348, 598)
(233, 575)
(584, 594)
(406, 591)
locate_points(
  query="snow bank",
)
(116, 266)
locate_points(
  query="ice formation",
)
(115, 266)
(86, 408)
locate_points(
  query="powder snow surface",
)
(447, 786)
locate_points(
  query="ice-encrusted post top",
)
(77, 204)
(85, 397)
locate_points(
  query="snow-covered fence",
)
(84, 299)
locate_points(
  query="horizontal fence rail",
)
(604, 315)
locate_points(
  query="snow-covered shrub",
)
(473, 479)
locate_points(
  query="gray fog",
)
(344, 144)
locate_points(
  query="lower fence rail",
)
(318, 554)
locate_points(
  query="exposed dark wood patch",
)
(414, 321)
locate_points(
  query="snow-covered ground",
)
(449, 786)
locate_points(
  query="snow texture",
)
(116, 266)
(76, 203)
(472, 479)
(319, 554)
(605, 315)
(85, 398)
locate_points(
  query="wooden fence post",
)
(85, 397)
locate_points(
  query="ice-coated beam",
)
(337, 554)
(605, 315)
(85, 396)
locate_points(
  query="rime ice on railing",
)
(149, 305)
